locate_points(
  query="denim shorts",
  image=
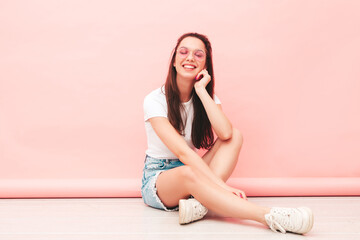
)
(153, 167)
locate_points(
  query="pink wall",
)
(73, 75)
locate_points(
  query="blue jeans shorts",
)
(153, 167)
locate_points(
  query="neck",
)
(185, 87)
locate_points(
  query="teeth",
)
(189, 66)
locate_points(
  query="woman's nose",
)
(190, 57)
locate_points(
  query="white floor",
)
(129, 218)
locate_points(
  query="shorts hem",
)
(157, 199)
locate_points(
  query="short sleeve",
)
(154, 107)
(216, 100)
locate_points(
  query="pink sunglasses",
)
(198, 54)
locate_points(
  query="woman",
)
(181, 117)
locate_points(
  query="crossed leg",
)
(222, 160)
(223, 156)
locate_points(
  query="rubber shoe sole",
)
(310, 216)
(182, 212)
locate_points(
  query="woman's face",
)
(190, 57)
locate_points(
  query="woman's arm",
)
(176, 143)
(219, 122)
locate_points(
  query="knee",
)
(188, 175)
(237, 137)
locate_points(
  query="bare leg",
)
(223, 156)
(189, 181)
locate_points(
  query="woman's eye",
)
(183, 51)
(199, 54)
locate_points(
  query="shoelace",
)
(281, 219)
(274, 223)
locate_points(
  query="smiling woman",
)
(74, 73)
(179, 119)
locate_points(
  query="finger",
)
(206, 73)
(244, 196)
(198, 75)
(240, 195)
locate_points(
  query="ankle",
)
(265, 210)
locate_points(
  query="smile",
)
(188, 66)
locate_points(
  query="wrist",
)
(200, 89)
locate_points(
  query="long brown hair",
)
(202, 135)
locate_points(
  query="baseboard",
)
(130, 187)
(298, 186)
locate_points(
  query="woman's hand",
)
(203, 82)
(237, 192)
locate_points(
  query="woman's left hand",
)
(203, 82)
(238, 193)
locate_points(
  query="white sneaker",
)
(296, 220)
(191, 210)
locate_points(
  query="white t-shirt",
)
(155, 106)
